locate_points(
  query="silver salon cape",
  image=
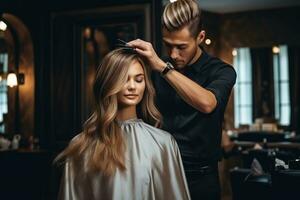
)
(154, 170)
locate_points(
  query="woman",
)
(120, 154)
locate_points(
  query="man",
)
(192, 92)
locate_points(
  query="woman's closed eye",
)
(139, 79)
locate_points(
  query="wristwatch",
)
(167, 68)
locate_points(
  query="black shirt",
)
(198, 134)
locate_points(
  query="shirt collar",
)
(198, 65)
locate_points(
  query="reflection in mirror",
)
(16, 59)
(262, 88)
(281, 84)
(7, 64)
(3, 87)
(243, 101)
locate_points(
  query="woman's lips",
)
(131, 96)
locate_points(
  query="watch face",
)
(170, 66)
(166, 69)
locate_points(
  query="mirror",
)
(8, 63)
(98, 37)
(16, 55)
(96, 43)
(265, 84)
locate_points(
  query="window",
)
(3, 90)
(281, 85)
(243, 87)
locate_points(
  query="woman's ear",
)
(201, 37)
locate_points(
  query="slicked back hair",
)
(182, 13)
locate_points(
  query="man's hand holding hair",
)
(146, 49)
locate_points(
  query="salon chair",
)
(246, 186)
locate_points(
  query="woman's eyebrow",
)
(141, 74)
(136, 75)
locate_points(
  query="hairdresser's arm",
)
(192, 93)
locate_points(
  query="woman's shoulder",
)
(158, 133)
(148, 132)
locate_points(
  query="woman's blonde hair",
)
(102, 141)
(182, 13)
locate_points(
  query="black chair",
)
(286, 184)
(260, 136)
(265, 157)
(245, 186)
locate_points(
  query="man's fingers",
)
(138, 43)
(141, 51)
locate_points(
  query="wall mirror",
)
(98, 37)
(265, 86)
(80, 39)
(16, 65)
(97, 41)
(8, 62)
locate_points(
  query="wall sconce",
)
(3, 26)
(14, 79)
(208, 41)
(276, 49)
(234, 52)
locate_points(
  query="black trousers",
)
(204, 183)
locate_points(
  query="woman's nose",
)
(131, 85)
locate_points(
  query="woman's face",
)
(133, 90)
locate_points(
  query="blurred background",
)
(49, 51)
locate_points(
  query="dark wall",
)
(212, 27)
(261, 28)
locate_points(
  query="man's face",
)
(182, 47)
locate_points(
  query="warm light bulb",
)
(172, 1)
(12, 80)
(275, 49)
(87, 33)
(3, 26)
(208, 41)
(234, 52)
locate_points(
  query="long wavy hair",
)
(102, 142)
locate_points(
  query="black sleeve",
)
(222, 81)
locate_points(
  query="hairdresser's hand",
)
(146, 49)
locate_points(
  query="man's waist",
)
(192, 162)
(193, 168)
(197, 164)
(193, 156)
